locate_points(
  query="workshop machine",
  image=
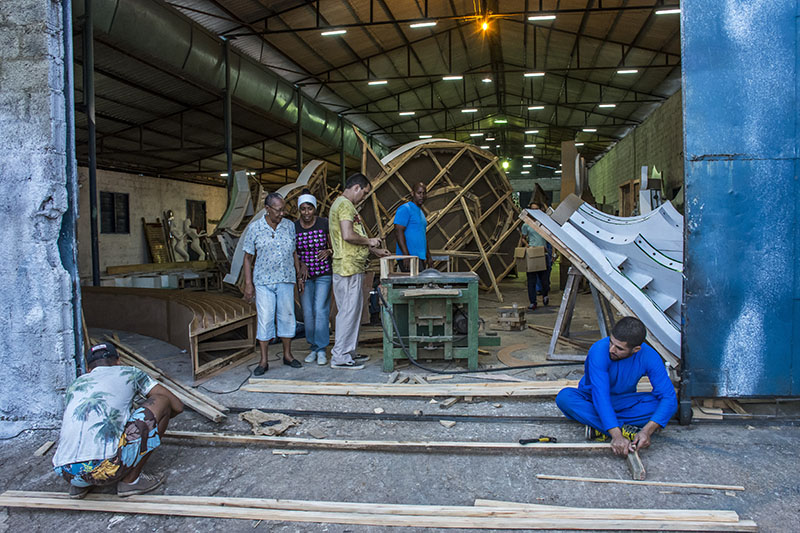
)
(435, 314)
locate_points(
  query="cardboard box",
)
(530, 258)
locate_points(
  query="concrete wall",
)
(656, 141)
(38, 343)
(149, 198)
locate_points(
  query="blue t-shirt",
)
(604, 378)
(411, 217)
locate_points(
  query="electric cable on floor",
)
(435, 371)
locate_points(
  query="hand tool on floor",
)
(542, 438)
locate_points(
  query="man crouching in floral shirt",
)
(103, 440)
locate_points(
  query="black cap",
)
(101, 351)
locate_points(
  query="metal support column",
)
(342, 155)
(299, 142)
(88, 104)
(226, 113)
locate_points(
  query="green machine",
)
(436, 315)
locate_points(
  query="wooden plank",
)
(734, 406)
(566, 340)
(707, 413)
(160, 267)
(44, 448)
(165, 505)
(637, 482)
(491, 510)
(522, 389)
(635, 465)
(481, 249)
(162, 376)
(702, 515)
(398, 446)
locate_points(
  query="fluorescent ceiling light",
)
(500, 121)
(590, 130)
(668, 11)
(541, 17)
(334, 32)
(607, 105)
(426, 24)
(452, 78)
(425, 136)
(470, 110)
(527, 165)
(628, 71)
(531, 132)
(530, 146)
(224, 174)
(487, 80)
(378, 82)
(578, 144)
(485, 147)
(535, 107)
(497, 146)
(557, 172)
(533, 74)
(406, 113)
(476, 134)
(525, 172)
(489, 138)
(527, 157)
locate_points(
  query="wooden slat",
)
(522, 389)
(340, 444)
(634, 482)
(433, 520)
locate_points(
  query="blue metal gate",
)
(741, 333)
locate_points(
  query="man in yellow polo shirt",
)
(351, 248)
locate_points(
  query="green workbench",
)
(423, 307)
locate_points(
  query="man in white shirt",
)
(104, 441)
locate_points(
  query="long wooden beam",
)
(523, 389)
(638, 482)
(388, 445)
(165, 505)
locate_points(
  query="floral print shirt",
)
(274, 251)
(98, 404)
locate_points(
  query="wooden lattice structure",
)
(314, 177)
(470, 210)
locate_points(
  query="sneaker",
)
(545, 300)
(595, 435)
(322, 358)
(532, 307)
(311, 357)
(359, 358)
(143, 485)
(629, 431)
(78, 493)
(351, 365)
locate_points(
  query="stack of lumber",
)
(520, 389)
(190, 397)
(484, 515)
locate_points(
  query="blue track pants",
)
(634, 408)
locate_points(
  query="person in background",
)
(410, 226)
(104, 440)
(314, 250)
(351, 249)
(540, 278)
(271, 240)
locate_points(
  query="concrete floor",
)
(762, 458)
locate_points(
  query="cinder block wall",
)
(148, 197)
(656, 141)
(38, 344)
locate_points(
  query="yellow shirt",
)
(348, 259)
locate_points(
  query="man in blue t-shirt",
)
(606, 400)
(410, 227)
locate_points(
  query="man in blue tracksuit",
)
(606, 400)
